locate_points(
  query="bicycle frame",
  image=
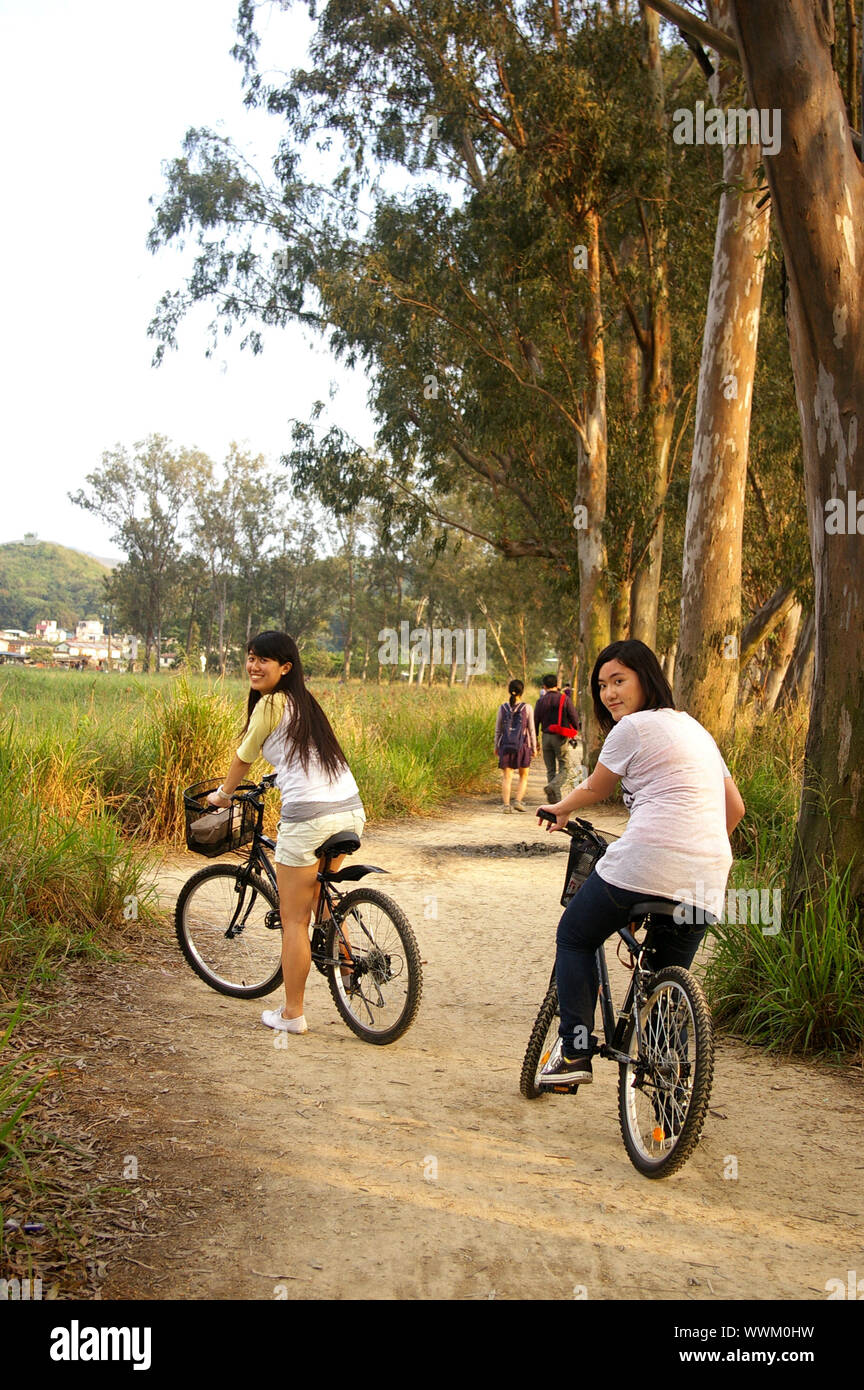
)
(615, 1029)
(329, 895)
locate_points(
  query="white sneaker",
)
(273, 1019)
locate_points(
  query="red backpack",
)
(565, 730)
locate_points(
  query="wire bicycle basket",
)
(212, 830)
(587, 848)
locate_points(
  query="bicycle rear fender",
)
(353, 872)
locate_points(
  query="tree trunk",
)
(620, 617)
(785, 648)
(706, 674)
(466, 678)
(349, 630)
(222, 631)
(658, 398)
(765, 620)
(798, 681)
(817, 190)
(592, 466)
(668, 663)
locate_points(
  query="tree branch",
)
(697, 28)
(641, 337)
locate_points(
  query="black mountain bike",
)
(662, 1040)
(229, 930)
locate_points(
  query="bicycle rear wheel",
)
(544, 1035)
(373, 967)
(663, 1091)
(246, 964)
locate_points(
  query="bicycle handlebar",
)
(573, 827)
(578, 827)
(264, 785)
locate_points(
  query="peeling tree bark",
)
(706, 671)
(765, 620)
(658, 395)
(785, 650)
(591, 475)
(817, 189)
(798, 681)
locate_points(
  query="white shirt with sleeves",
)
(675, 844)
(305, 794)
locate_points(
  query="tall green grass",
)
(801, 989)
(66, 872)
(109, 743)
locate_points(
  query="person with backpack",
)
(515, 744)
(555, 714)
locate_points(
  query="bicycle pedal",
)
(566, 1090)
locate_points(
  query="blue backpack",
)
(514, 727)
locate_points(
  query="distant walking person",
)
(556, 715)
(515, 744)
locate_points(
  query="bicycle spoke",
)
(377, 994)
(225, 935)
(657, 1088)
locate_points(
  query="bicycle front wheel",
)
(243, 960)
(663, 1091)
(544, 1035)
(373, 966)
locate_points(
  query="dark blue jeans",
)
(595, 913)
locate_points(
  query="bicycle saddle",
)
(667, 907)
(343, 842)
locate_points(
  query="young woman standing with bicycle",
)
(287, 726)
(683, 806)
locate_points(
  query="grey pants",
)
(563, 759)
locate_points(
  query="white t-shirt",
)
(305, 795)
(675, 844)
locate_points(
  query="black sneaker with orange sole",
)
(570, 1071)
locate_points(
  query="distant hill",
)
(39, 579)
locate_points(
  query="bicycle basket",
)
(211, 831)
(585, 851)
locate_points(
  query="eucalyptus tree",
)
(230, 528)
(144, 497)
(816, 184)
(706, 671)
(476, 298)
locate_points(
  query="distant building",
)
(13, 646)
(95, 653)
(89, 630)
(48, 631)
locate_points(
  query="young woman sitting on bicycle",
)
(683, 806)
(287, 726)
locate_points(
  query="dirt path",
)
(337, 1170)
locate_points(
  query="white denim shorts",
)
(297, 840)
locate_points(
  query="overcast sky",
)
(94, 95)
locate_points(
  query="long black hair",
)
(308, 728)
(515, 688)
(636, 657)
